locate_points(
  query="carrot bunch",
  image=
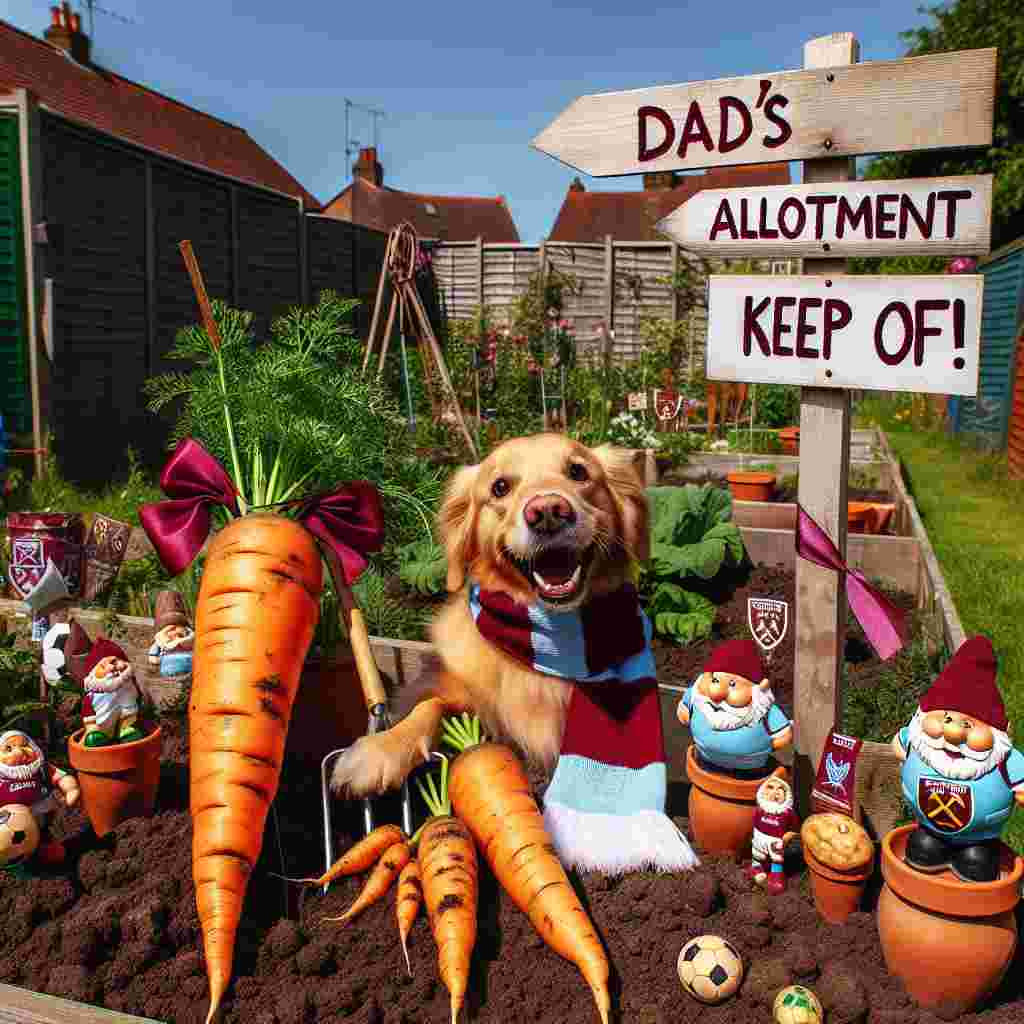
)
(492, 795)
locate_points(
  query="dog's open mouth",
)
(556, 573)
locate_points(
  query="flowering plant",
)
(626, 431)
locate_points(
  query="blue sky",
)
(465, 86)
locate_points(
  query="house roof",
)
(631, 216)
(132, 112)
(457, 218)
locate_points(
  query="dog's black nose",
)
(548, 513)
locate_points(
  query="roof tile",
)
(132, 112)
(457, 218)
(632, 216)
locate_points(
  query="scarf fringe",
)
(614, 844)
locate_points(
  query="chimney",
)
(367, 168)
(577, 186)
(659, 181)
(65, 32)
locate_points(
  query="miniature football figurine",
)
(775, 824)
(731, 711)
(110, 708)
(710, 968)
(174, 639)
(29, 780)
(19, 835)
(961, 774)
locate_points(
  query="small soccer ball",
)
(710, 968)
(19, 834)
(797, 1005)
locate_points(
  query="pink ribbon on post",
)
(881, 620)
(349, 520)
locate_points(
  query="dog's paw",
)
(374, 765)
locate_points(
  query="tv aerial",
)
(352, 145)
(91, 6)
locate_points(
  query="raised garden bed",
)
(117, 927)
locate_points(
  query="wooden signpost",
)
(826, 331)
(939, 216)
(934, 102)
(914, 333)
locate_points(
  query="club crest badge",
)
(948, 806)
(768, 619)
(27, 564)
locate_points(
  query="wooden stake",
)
(824, 468)
(385, 341)
(381, 287)
(205, 309)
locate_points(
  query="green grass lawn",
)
(974, 515)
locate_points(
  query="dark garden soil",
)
(118, 928)
(117, 925)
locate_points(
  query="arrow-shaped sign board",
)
(914, 333)
(937, 101)
(932, 216)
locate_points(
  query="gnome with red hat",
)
(731, 711)
(961, 774)
(111, 705)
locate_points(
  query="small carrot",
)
(358, 858)
(407, 904)
(492, 794)
(395, 858)
(448, 867)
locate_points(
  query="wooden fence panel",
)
(93, 199)
(269, 278)
(507, 273)
(584, 307)
(639, 293)
(456, 272)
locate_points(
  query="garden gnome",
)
(731, 711)
(172, 645)
(775, 824)
(111, 705)
(29, 780)
(961, 775)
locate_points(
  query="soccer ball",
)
(710, 968)
(19, 834)
(797, 1005)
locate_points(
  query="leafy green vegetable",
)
(692, 537)
(423, 566)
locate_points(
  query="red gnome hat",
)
(967, 684)
(102, 648)
(738, 658)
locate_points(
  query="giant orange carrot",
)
(449, 876)
(256, 614)
(492, 795)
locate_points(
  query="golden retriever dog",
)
(542, 518)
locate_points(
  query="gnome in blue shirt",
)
(961, 774)
(731, 711)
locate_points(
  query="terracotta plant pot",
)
(868, 516)
(329, 710)
(722, 808)
(837, 894)
(790, 439)
(751, 486)
(949, 942)
(119, 781)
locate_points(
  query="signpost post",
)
(825, 330)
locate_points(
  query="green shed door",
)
(15, 403)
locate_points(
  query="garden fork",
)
(377, 706)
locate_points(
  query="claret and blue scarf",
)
(605, 806)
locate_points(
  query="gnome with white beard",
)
(110, 708)
(775, 824)
(29, 780)
(961, 774)
(731, 711)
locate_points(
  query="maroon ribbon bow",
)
(349, 520)
(882, 621)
